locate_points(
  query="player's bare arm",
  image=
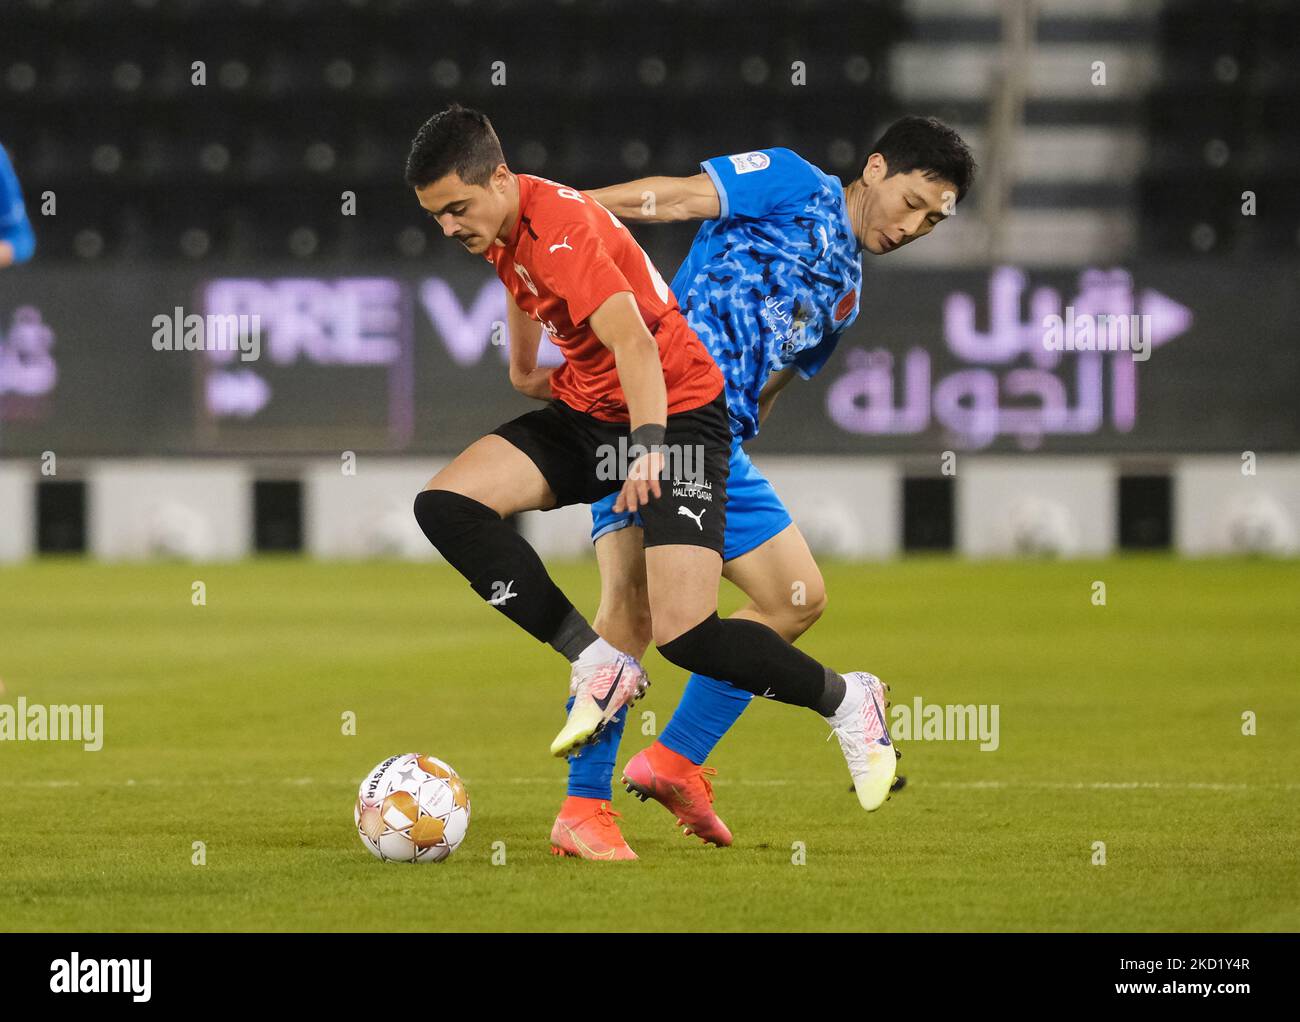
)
(618, 324)
(662, 199)
(776, 383)
(525, 337)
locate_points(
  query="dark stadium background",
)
(161, 190)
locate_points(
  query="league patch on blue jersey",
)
(775, 280)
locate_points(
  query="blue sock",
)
(591, 768)
(708, 708)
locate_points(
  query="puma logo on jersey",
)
(695, 518)
(563, 244)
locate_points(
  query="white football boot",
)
(860, 725)
(599, 691)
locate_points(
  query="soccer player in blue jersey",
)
(770, 284)
(17, 242)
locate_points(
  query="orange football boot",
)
(681, 787)
(587, 829)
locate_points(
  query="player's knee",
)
(791, 617)
(685, 645)
(665, 632)
(806, 613)
(445, 517)
(670, 622)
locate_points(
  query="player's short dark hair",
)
(928, 145)
(455, 139)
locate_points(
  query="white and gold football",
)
(412, 808)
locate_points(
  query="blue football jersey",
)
(775, 280)
(15, 228)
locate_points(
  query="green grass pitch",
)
(1119, 724)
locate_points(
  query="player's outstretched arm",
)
(525, 336)
(662, 199)
(618, 324)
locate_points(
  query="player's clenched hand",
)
(642, 483)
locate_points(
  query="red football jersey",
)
(567, 255)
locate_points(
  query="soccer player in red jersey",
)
(637, 386)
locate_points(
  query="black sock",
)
(502, 568)
(832, 694)
(573, 636)
(753, 657)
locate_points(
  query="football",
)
(412, 808)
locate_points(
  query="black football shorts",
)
(584, 459)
